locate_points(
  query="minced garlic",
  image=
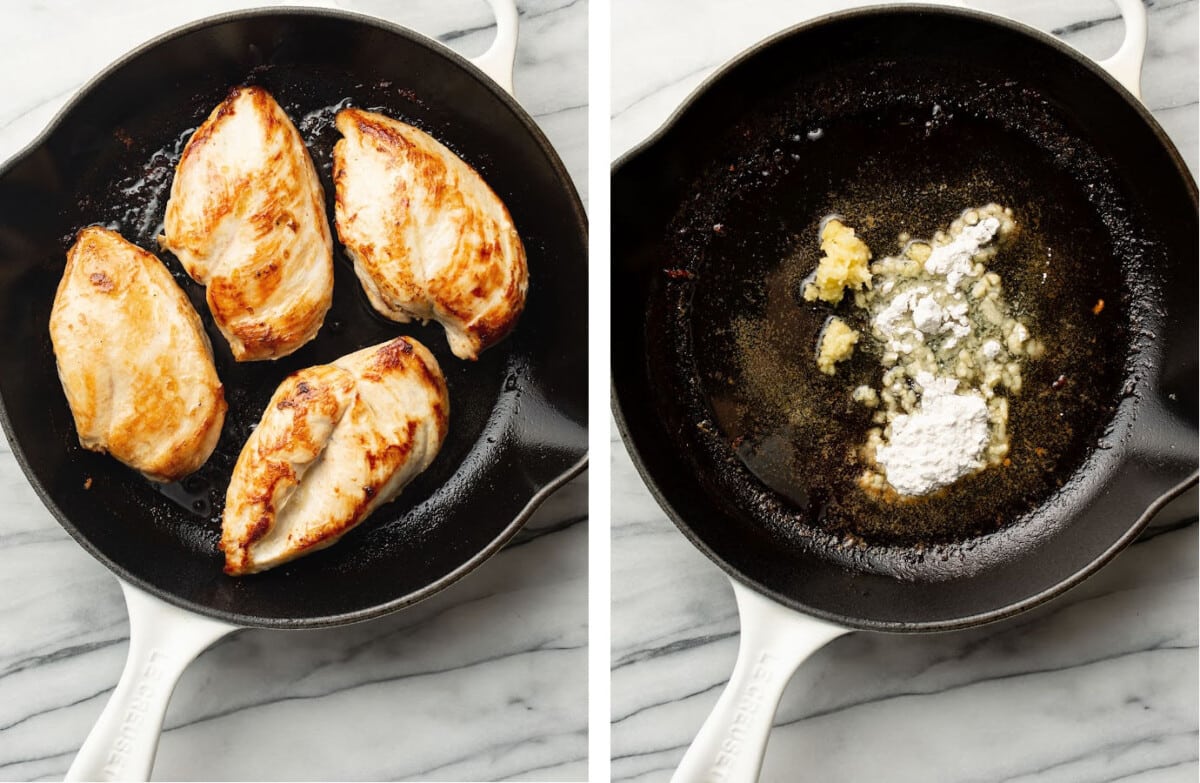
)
(845, 264)
(837, 344)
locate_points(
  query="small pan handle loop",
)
(498, 61)
(774, 642)
(1126, 64)
(163, 640)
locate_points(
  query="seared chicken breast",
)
(428, 237)
(336, 442)
(246, 218)
(134, 360)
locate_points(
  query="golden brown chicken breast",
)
(134, 360)
(336, 442)
(247, 219)
(428, 237)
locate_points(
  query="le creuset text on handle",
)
(774, 642)
(163, 640)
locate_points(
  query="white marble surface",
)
(485, 681)
(1100, 685)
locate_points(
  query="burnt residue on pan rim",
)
(678, 116)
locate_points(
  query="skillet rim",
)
(723, 70)
(576, 204)
(678, 116)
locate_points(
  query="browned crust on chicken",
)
(247, 219)
(429, 239)
(299, 421)
(335, 442)
(133, 358)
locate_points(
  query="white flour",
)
(916, 314)
(950, 344)
(946, 436)
(944, 439)
(920, 313)
(952, 354)
(956, 260)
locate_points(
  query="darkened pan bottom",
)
(910, 156)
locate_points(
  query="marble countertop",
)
(484, 681)
(1099, 685)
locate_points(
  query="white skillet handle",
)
(497, 62)
(775, 640)
(163, 640)
(1126, 65)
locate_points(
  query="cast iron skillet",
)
(518, 414)
(841, 115)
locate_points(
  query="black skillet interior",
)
(518, 415)
(906, 117)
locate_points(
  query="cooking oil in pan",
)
(752, 335)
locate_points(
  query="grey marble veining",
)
(486, 680)
(1099, 685)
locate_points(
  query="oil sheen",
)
(798, 431)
